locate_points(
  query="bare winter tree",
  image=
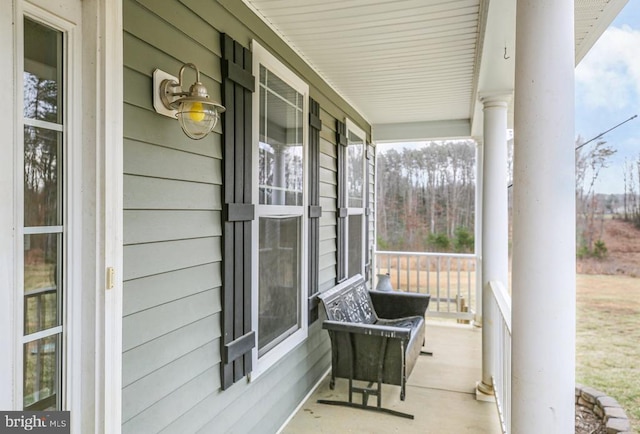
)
(631, 197)
(589, 209)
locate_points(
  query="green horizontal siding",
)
(172, 233)
(153, 323)
(148, 226)
(147, 358)
(155, 290)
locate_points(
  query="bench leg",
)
(369, 390)
(366, 407)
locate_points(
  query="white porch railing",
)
(501, 306)
(450, 279)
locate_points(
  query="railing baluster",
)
(418, 274)
(438, 282)
(458, 270)
(468, 263)
(449, 284)
(408, 273)
(398, 271)
(428, 275)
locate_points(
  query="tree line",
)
(426, 197)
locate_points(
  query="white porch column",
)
(495, 226)
(477, 230)
(543, 346)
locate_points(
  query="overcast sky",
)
(608, 92)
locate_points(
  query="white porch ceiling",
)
(416, 68)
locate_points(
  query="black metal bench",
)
(376, 337)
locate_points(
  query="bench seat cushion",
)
(412, 322)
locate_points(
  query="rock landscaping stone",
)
(590, 394)
(597, 413)
(615, 425)
(611, 412)
(607, 401)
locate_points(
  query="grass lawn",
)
(608, 338)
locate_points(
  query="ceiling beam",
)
(418, 131)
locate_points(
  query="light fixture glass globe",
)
(196, 112)
(196, 118)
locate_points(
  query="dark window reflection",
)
(356, 174)
(40, 383)
(41, 177)
(355, 244)
(42, 72)
(41, 282)
(279, 280)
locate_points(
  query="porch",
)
(440, 393)
(156, 262)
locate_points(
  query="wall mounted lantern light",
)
(196, 112)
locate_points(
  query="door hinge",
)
(111, 275)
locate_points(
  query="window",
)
(44, 216)
(354, 242)
(280, 191)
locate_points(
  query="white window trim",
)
(353, 128)
(109, 144)
(263, 57)
(8, 236)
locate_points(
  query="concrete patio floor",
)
(440, 394)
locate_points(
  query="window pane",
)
(355, 161)
(41, 382)
(355, 245)
(279, 87)
(41, 282)
(279, 280)
(280, 143)
(42, 180)
(42, 72)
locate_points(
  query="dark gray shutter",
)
(315, 211)
(342, 143)
(238, 337)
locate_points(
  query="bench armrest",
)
(368, 329)
(393, 305)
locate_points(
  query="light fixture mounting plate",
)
(158, 77)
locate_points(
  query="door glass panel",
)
(41, 282)
(42, 72)
(42, 167)
(279, 280)
(41, 361)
